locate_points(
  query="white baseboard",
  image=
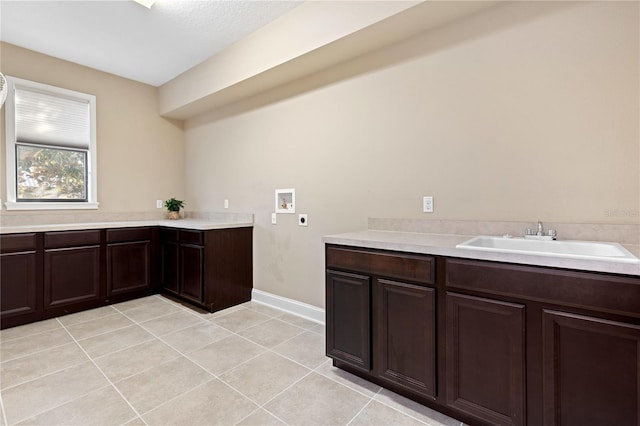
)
(304, 310)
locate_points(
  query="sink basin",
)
(593, 250)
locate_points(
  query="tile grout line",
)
(160, 338)
(105, 376)
(234, 333)
(178, 396)
(213, 376)
(36, 352)
(367, 396)
(241, 306)
(106, 332)
(4, 412)
(181, 354)
(314, 370)
(50, 373)
(3, 341)
(403, 412)
(340, 383)
(260, 406)
(217, 377)
(91, 319)
(359, 411)
(249, 415)
(282, 392)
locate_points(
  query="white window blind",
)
(51, 152)
(52, 120)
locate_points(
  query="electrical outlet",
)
(158, 204)
(303, 220)
(226, 204)
(274, 219)
(427, 204)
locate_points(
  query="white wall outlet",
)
(303, 220)
(158, 204)
(427, 204)
(274, 218)
(226, 204)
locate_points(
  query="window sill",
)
(10, 205)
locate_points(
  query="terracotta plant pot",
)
(174, 215)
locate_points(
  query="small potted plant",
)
(174, 207)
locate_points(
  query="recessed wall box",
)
(286, 200)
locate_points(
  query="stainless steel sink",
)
(594, 250)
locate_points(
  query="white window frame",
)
(10, 140)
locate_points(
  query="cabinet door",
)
(128, 267)
(71, 276)
(405, 335)
(349, 319)
(191, 272)
(485, 359)
(591, 371)
(18, 284)
(170, 259)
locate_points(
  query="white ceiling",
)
(124, 38)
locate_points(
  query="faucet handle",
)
(552, 233)
(529, 231)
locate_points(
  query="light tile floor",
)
(153, 361)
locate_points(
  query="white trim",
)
(310, 312)
(10, 143)
(37, 205)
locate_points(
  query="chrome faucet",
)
(540, 235)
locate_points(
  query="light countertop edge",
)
(445, 245)
(193, 224)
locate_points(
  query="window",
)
(51, 147)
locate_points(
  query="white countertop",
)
(445, 245)
(194, 224)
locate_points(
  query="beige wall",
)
(140, 154)
(528, 111)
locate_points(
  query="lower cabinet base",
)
(71, 309)
(79, 307)
(204, 307)
(407, 394)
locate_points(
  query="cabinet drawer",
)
(123, 235)
(393, 265)
(11, 243)
(191, 237)
(169, 235)
(71, 239)
(585, 290)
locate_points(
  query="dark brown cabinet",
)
(20, 284)
(192, 272)
(169, 259)
(129, 263)
(406, 335)
(488, 343)
(47, 274)
(212, 269)
(349, 319)
(183, 263)
(581, 332)
(591, 370)
(71, 268)
(486, 358)
(381, 316)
